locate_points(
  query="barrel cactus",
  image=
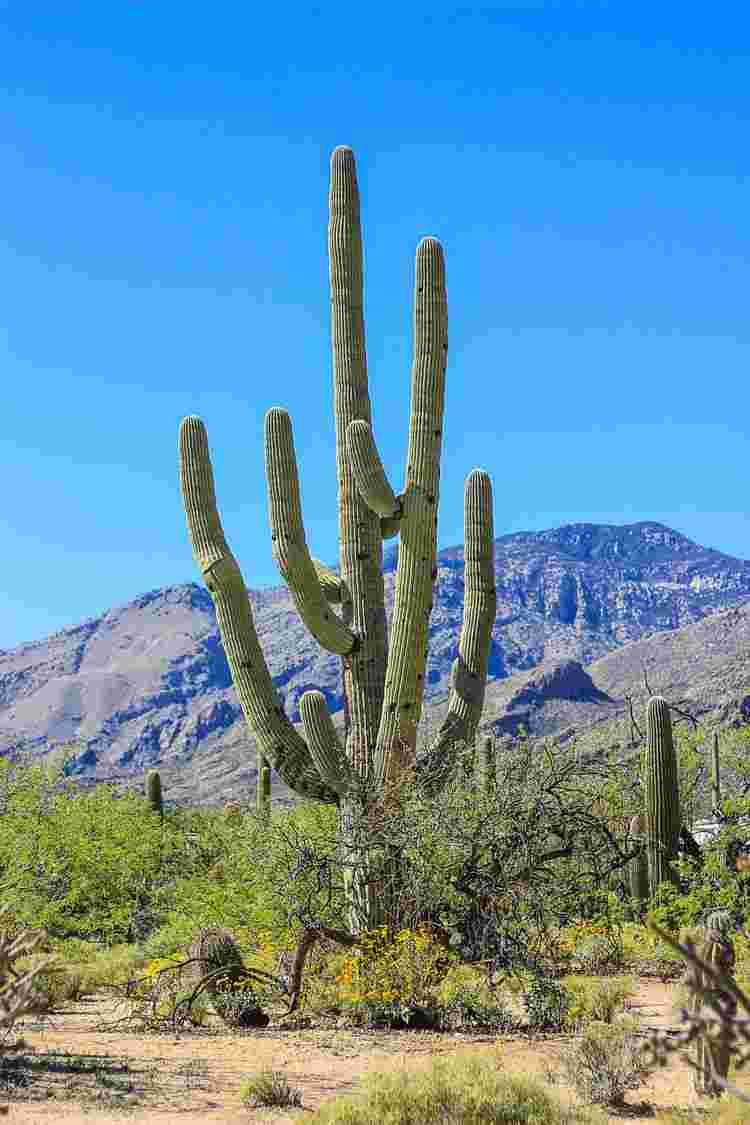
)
(383, 684)
(662, 796)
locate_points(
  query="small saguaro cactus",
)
(383, 686)
(715, 774)
(662, 795)
(638, 867)
(154, 792)
(263, 787)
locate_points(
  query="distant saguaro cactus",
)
(638, 867)
(154, 792)
(661, 793)
(383, 690)
(263, 789)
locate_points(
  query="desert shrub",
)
(270, 1088)
(593, 955)
(546, 1003)
(592, 999)
(460, 1091)
(605, 1063)
(93, 967)
(238, 1003)
(160, 994)
(465, 1001)
(391, 981)
(18, 987)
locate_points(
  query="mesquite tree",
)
(383, 683)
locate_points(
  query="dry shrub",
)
(605, 1063)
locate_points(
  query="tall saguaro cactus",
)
(383, 685)
(661, 793)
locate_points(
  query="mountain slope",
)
(147, 682)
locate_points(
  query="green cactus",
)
(638, 867)
(383, 689)
(715, 774)
(153, 792)
(662, 796)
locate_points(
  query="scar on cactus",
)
(383, 683)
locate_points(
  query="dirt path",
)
(111, 1077)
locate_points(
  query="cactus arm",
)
(325, 749)
(662, 797)
(330, 583)
(404, 683)
(277, 739)
(288, 535)
(359, 527)
(369, 472)
(469, 671)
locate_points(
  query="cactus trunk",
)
(383, 690)
(662, 795)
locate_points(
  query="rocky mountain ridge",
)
(147, 683)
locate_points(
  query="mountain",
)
(147, 683)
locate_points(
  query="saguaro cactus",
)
(383, 690)
(263, 788)
(661, 793)
(638, 866)
(154, 792)
(715, 774)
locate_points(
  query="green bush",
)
(592, 999)
(269, 1088)
(464, 1091)
(546, 1004)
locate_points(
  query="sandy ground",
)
(195, 1077)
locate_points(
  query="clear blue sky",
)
(163, 252)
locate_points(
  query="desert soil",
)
(195, 1077)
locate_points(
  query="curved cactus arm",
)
(333, 588)
(277, 739)
(359, 527)
(404, 681)
(288, 535)
(369, 472)
(469, 670)
(325, 748)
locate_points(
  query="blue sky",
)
(163, 252)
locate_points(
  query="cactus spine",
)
(661, 793)
(154, 793)
(383, 690)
